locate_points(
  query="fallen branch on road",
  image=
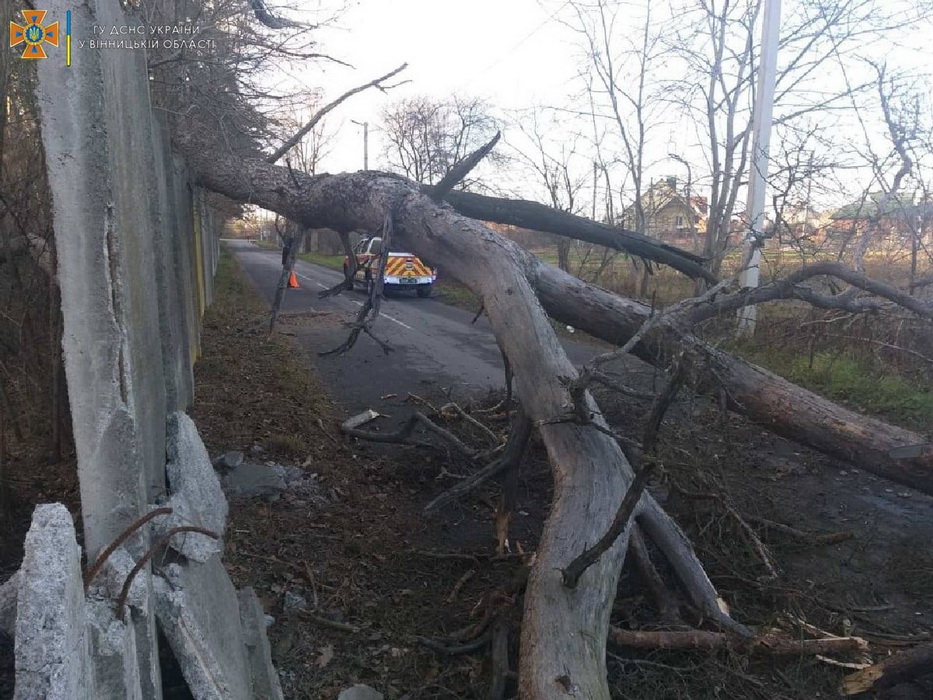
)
(702, 640)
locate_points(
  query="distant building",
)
(891, 216)
(670, 215)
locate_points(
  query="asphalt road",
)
(437, 351)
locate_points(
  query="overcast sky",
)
(511, 52)
(508, 51)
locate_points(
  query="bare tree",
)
(426, 137)
(715, 43)
(556, 164)
(620, 83)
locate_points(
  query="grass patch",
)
(334, 262)
(453, 293)
(855, 382)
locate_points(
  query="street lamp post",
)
(365, 126)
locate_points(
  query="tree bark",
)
(539, 217)
(779, 405)
(896, 669)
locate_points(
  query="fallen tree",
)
(772, 401)
(563, 629)
(764, 397)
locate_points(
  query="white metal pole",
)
(761, 141)
(365, 145)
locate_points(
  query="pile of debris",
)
(92, 635)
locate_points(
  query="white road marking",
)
(324, 286)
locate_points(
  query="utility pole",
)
(761, 142)
(595, 176)
(365, 126)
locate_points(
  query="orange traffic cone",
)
(293, 281)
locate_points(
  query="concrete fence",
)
(137, 251)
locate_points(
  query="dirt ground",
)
(357, 577)
(363, 555)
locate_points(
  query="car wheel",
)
(424, 291)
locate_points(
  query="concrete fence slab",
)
(196, 495)
(266, 685)
(9, 591)
(114, 655)
(52, 648)
(197, 606)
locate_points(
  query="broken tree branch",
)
(403, 435)
(462, 168)
(708, 641)
(292, 245)
(364, 322)
(511, 454)
(638, 550)
(659, 408)
(896, 669)
(499, 653)
(493, 438)
(752, 391)
(538, 217)
(323, 112)
(789, 288)
(571, 575)
(268, 19)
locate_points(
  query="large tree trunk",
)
(766, 398)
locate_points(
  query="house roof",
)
(660, 195)
(870, 206)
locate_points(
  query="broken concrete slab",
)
(190, 472)
(108, 584)
(250, 480)
(193, 604)
(114, 658)
(9, 590)
(229, 460)
(360, 692)
(52, 649)
(196, 496)
(266, 685)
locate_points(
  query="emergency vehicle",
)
(403, 270)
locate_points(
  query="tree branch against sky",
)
(424, 137)
(701, 58)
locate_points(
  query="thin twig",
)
(332, 624)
